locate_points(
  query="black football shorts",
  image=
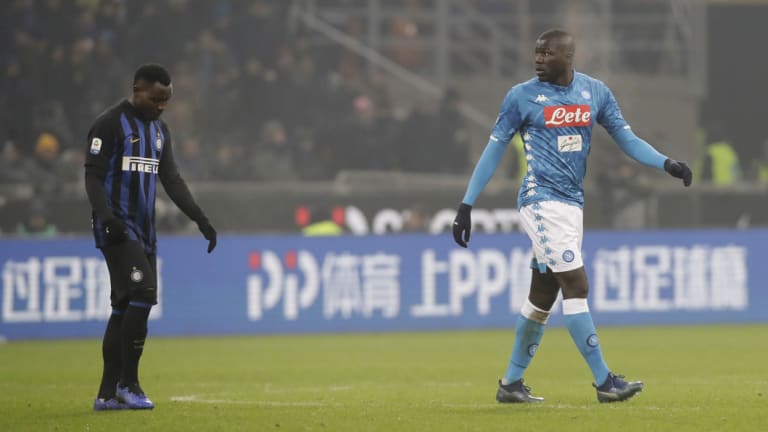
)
(132, 274)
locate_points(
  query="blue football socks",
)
(584, 335)
(529, 330)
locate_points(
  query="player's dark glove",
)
(115, 231)
(209, 233)
(679, 170)
(462, 225)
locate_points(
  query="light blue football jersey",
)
(556, 123)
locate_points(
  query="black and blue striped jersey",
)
(128, 154)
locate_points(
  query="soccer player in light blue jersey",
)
(554, 113)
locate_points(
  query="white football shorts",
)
(555, 229)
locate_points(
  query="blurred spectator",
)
(404, 31)
(227, 163)
(451, 134)
(36, 224)
(761, 164)
(47, 167)
(272, 158)
(720, 164)
(323, 221)
(518, 165)
(415, 219)
(70, 166)
(14, 166)
(414, 146)
(237, 66)
(50, 116)
(312, 163)
(190, 158)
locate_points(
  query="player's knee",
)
(144, 297)
(576, 291)
(542, 300)
(574, 283)
(535, 313)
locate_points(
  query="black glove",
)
(462, 225)
(209, 233)
(115, 231)
(679, 170)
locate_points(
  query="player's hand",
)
(679, 170)
(209, 233)
(115, 231)
(462, 225)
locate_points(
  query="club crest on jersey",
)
(568, 256)
(567, 115)
(158, 142)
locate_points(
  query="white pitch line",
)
(312, 404)
(266, 403)
(334, 388)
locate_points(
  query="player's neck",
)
(565, 79)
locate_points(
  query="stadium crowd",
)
(253, 100)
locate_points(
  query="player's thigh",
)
(132, 274)
(544, 289)
(556, 231)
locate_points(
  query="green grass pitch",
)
(698, 378)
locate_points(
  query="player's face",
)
(552, 59)
(151, 99)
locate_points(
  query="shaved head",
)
(554, 57)
(561, 38)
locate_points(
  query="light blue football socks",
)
(529, 330)
(584, 335)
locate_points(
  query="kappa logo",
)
(541, 98)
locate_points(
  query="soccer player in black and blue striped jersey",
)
(129, 148)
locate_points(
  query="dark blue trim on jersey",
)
(141, 205)
(125, 184)
(155, 131)
(638, 149)
(484, 170)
